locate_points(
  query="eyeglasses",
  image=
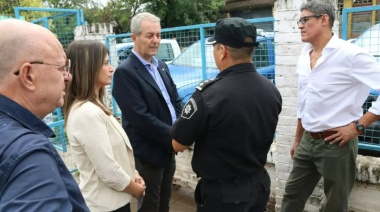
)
(62, 68)
(304, 19)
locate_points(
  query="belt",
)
(237, 179)
(322, 135)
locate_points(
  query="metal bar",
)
(369, 147)
(203, 53)
(45, 9)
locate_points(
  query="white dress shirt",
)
(332, 94)
(103, 155)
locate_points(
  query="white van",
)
(168, 50)
(369, 40)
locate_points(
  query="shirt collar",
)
(24, 116)
(332, 44)
(243, 67)
(154, 59)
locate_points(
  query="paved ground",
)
(182, 200)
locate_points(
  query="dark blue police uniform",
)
(232, 120)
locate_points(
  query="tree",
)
(119, 12)
(172, 12)
(183, 12)
(67, 4)
(7, 7)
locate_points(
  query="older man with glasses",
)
(33, 177)
(334, 79)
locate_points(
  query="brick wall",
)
(288, 46)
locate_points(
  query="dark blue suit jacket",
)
(145, 115)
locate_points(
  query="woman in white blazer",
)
(102, 151)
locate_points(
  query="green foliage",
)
(67, 4)
(119, 12)
(183, 12)
(7, 6)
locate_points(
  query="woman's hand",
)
(136, 187)
(139, 179)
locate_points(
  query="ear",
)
(326, 20)
(133, 36)
(27, 77)
(223, 52)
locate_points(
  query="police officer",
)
(232, 121)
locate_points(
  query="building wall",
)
(248, 8)
(240, 5)
(288, 47)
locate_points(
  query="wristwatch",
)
(359, 127)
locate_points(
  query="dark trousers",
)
(159, 183)
(315, 158)
(249, 193)
(125, 208)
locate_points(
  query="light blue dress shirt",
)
(153, 71)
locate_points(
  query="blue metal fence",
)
(361, 26)
(196, 62)
(62, 23)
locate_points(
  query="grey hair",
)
(138, 18)
(320, 7)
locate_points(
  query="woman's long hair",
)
(87, 58)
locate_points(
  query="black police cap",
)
(232, 32)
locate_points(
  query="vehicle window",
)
(124, 54)
(260, 55)
(165, 52)
(370, 41)
(192, 57)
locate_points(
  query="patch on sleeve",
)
(189, 109)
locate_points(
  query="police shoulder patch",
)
(189, 109)
(206, 83)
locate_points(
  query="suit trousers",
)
(249, 193)
(315, 158)
(159, 184)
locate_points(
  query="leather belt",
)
(322, 135)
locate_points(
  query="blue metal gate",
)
(62, 23)
(361, 26)
(196, 62)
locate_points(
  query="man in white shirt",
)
(335, 78)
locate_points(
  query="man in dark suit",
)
(148, 99)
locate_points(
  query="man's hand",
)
(293, 150)
(343, 135)
(177, 147)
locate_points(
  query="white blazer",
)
(103, 155)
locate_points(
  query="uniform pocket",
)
(199, 195)
(238, 192)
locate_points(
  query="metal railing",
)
(361, 26)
